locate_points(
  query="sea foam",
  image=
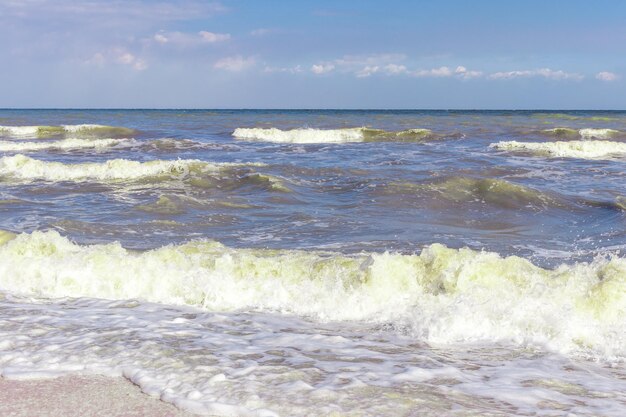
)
(73, 143)
(587, 133)
(48, 131)
(442, 295)
(585, 149)
(303, 136)
(22, 167)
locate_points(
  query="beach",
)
(80, 396)
(312, 263)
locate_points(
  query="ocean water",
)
(320, 263)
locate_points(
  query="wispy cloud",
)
(290, 70)
(235, 63)
(435, 72)
(542, 72)
(607, 76)
(119, 56)
(189, 39)
(360, 65)
(211, 37)
(363, 66)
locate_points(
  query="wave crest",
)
(11, 146)
(304, 136)
(50, 131)
(26, 168)
(593, 149)
(443, 295)
(458, 189)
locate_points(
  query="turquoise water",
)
(368, 262)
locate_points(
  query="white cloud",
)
(542, 72)
(161, 38)
(235, 63)
(355, 63)
(322, 68)
(117, 56)
(190, 39)
(126, 58)
(607, 76)
(435, 72)
(211, 37)
(464, 73)
(395, 69)
(291, 70)
(367, 71)
(362, 65)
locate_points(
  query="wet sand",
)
(80, 396)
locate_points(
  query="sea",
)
(320, 262)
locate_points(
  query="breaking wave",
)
(12, 146)
(26, 168)
(591, 149)
(583, 133)
(303, 136)
(442, 295)
(51, 131)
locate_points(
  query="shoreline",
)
(80, 396)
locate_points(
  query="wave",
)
(173, 204)
(26, 168)
(592, 149)
(587, 133)
(303, 136)
(50, 131)
(492, 191)
(190, 172)
(11, 146)
(563, 116)
(442, 295)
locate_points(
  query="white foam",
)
(73, 143)
(442, 295)
(78, 128)
(588, 149)
(588, 133)
(597, 133)
(303, 136)
(20, 130)
(25, 168)
(45, 131)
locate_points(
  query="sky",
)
(429, 54)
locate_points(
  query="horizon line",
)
(315, 109)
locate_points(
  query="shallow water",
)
(248, 254)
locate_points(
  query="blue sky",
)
(313, 54)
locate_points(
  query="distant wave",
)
(590, 149)
(303, 136)
(442, 295)
(14, 146)
(587, 133)
(50, 131)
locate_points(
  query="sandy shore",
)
(80, 396)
